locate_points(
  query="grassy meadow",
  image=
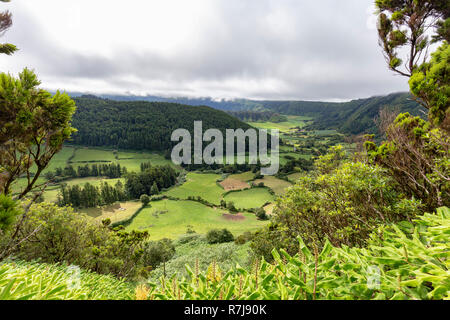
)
(199, 184)
(286, 126)
(250, 198)
(170, 219)
(277, 185)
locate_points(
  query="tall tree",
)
(406, 30)
(33, 127)
(5, 24)
(417, 152)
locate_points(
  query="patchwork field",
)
(116, 212)
(287, 126)
(251, 198)
(170, 219)
(197, 184)
(277, 185)
(85, 155)
(237, 181)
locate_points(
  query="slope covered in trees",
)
(353, 117)
(141, 125)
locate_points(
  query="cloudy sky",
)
(261, 49)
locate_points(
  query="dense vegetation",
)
(140, 125)
(357, 224)
(36, 281)
(404, 261)
(353, 117)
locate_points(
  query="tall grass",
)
(404, 261)
(34, 281)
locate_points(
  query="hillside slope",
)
(141, 125)
(354, 117)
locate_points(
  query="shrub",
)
(261, 214)
(219, 236)
(60, 235)
(243, 238)
(145, 199)
(402, 262)
(157, 252)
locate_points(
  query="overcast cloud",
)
(261, 49)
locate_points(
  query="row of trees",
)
(110, 170)
(89, 196)
(148, 183)
(151, 181)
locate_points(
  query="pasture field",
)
(287, 126)
(249, 199)
(170, 219)
(116, 212)
(60, 159)
(132, 160)
(198, 184)
(244, 177)
(284, 160)
(90, 155)
(277, 185)
(269, 208)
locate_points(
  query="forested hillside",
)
(353, 117)
(141, 125)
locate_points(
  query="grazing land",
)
(116, 212)
(199, 185)
(170, 219)
(287, 126)
(277, 185)
(249, 199)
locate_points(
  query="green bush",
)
(261, 214)
(59, 235)
(402, 262)
(343, 201)
(157, 252)
(219, 236)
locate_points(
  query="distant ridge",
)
(353, 117)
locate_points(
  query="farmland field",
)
(197, 184)
(277, 185)
(84, 155)
(116, 212)
(251, 198)
(287, 126)
(170, 219)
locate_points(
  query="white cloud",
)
(272, 49)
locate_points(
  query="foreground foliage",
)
(403, 261)
(33, 281)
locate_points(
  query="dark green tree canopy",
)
(5, 24)
(406, 29)
(33, 127)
